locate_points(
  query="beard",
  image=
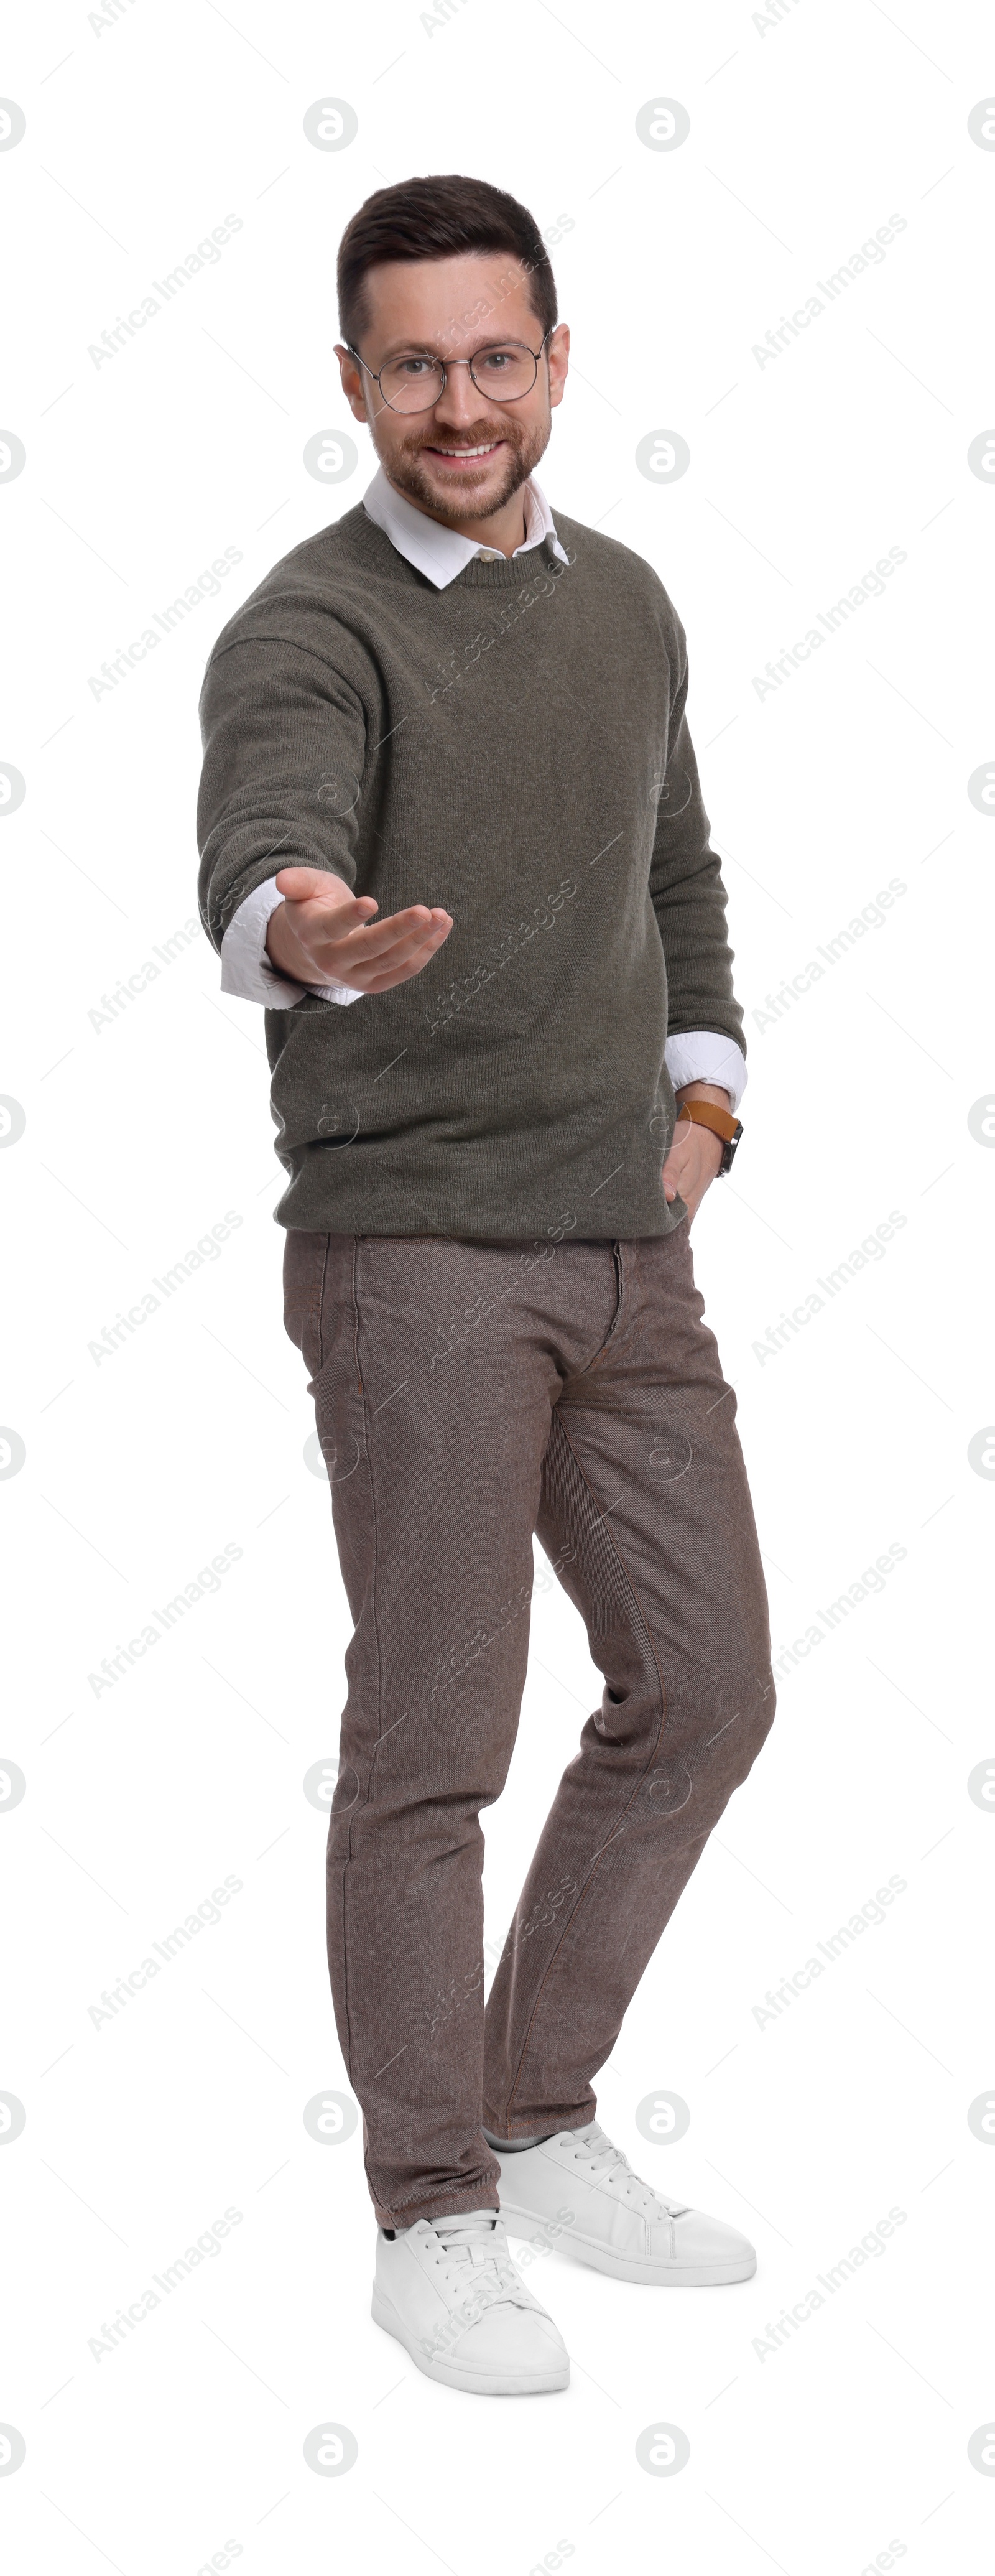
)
(525, 447)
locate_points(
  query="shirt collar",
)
(441, 553)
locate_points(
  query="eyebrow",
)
(421, 349)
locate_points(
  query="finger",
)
(297, 881)
(325, 909)
(396, 969)
(376, 936)
(299, 884)
(416, 922)
(678, 1173)
(380, 944)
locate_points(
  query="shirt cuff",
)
(248, 970)
(703, 1055)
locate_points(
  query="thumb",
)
(306, 885)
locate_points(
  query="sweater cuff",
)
(248, 970)
(704, 1055)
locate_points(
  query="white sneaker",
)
(620, 2226)
(451, 2294)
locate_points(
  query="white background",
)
(806, 131)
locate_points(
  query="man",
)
(451, 722)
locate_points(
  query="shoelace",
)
(591, 2148)
(476, 2259)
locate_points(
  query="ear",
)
(353, 382)
(558, 348)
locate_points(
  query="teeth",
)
(468, 451)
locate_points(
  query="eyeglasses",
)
(415, 381)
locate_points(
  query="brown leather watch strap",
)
(706, 1113)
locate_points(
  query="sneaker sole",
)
(455, 2375)
(656, 2276)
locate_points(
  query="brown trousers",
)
(468, 1394)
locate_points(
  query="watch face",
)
(726, 1162)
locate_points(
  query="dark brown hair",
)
(436, 219)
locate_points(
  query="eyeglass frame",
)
(445, 364)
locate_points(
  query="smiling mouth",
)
(465, 455)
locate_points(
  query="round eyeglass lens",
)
(414, 382)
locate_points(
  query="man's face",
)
(466, 456)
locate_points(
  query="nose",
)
(461, 402)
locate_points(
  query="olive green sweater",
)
(515, 748)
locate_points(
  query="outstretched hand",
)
(323, 934)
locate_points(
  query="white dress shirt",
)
(702, 1055)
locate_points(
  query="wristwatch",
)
(706, 1113)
